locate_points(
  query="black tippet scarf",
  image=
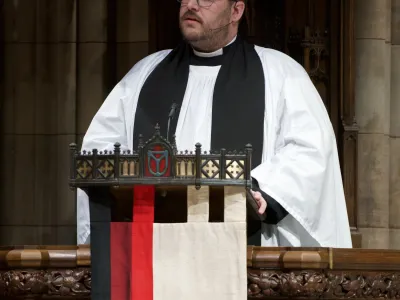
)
(238, 102)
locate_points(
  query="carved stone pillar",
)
(394, 194)
(113, 36)
(132, 34)
(372, 92)
(94, 74)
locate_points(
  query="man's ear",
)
(237, 11)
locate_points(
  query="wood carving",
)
(67, 283)
(263, 24)
(316, 54)
(76, 284)
(333, 285)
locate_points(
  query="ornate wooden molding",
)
(73, 283)
(327, 285)
(50, 271)
(64, 273)
(262, 284)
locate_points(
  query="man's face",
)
(200, 23)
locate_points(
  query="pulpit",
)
(169, 225)
(166, 224)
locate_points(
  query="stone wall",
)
(62, 57)
(378, 110)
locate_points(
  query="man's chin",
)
(192, 36)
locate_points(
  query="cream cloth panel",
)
(199, 261)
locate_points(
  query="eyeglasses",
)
(201, 3)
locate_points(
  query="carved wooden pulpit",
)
(166, 224)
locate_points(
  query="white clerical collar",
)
(212, 54)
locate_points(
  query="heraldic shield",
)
(166, 224)
(157, 161)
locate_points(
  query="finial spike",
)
(173, 143)
(117, 147)
(157, 128)
(141, 142)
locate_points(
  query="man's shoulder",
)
(280, 62)
(148, 63)
(156, 56)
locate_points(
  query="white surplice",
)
(300, 165)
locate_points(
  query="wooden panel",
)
(287, 258)
(366, 259)
(322, 258)
(163, 25)
(349, 130)
(263, 24)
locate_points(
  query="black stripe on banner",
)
(111, 226)
(217, 204)
(170, 205)
(100, 219)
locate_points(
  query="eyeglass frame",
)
(212, 2)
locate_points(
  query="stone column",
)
(113, 36)
(38, 122)
(373, 67)
(132, 35)
(93, 60)
(395, 130)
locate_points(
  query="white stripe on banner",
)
(199, 261)
(198, 204)
(235, 204)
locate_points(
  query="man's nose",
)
(193, 5)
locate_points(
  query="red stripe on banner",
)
(120, 252)
(142, 243)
